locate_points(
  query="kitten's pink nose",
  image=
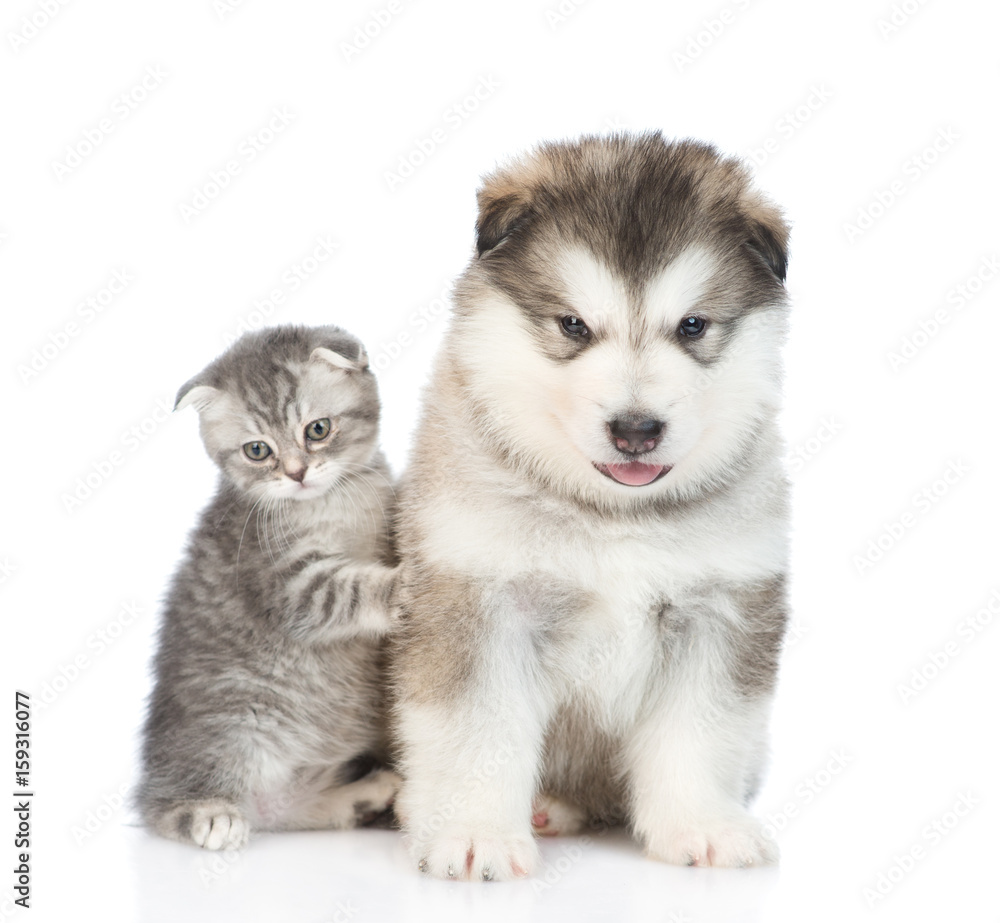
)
(296, 474)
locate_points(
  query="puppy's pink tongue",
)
(634, 474)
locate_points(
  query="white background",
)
(862, 769)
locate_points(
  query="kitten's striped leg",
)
(331, 599)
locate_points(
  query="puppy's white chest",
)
(500, 541)
(609, 662)
(589, 644)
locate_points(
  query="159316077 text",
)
(22, 799)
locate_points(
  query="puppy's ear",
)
(498, 216)
(768, 234)
(507, 198)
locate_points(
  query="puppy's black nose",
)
(635, 436)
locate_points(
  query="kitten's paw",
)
(551, 816)
(209, 824)
(374, 795)
(220, 830)
(732, 843)
(488, 857)
(347, 806)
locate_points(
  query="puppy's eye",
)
(574, 327)
(256, 451)
(692, 326)
(318, 429)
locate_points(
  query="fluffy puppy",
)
(594, 523)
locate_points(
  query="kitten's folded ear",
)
(195, 395)
(322, 354)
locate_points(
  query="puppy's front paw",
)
(477, 857)
(735, 843)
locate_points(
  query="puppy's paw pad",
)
(737, 845)
(552, 817)
(479, 858)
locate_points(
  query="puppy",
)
(594, 525)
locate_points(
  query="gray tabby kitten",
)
(268, 706)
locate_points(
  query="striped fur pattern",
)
(268, 711)
(593, 528)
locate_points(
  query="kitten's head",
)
(287, 411)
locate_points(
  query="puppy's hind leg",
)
(551, 816)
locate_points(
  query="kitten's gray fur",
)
(268, 703)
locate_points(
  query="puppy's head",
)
(621, 322)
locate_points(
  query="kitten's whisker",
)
(272, 513)
(275, 534)
(239, 547)
(289, 522)
(283, 522)
(256, 522)
(357, 466)
(280, 540)
(341, 477)
(262, 539)
(339, 481)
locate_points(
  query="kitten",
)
(268, 706)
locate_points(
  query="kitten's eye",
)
(692, 326)
(256, 451)
(318, 429)
(574, 327)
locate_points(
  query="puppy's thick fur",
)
(594, 523)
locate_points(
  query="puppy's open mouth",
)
(633, 474)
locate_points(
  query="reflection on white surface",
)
(366, 875)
